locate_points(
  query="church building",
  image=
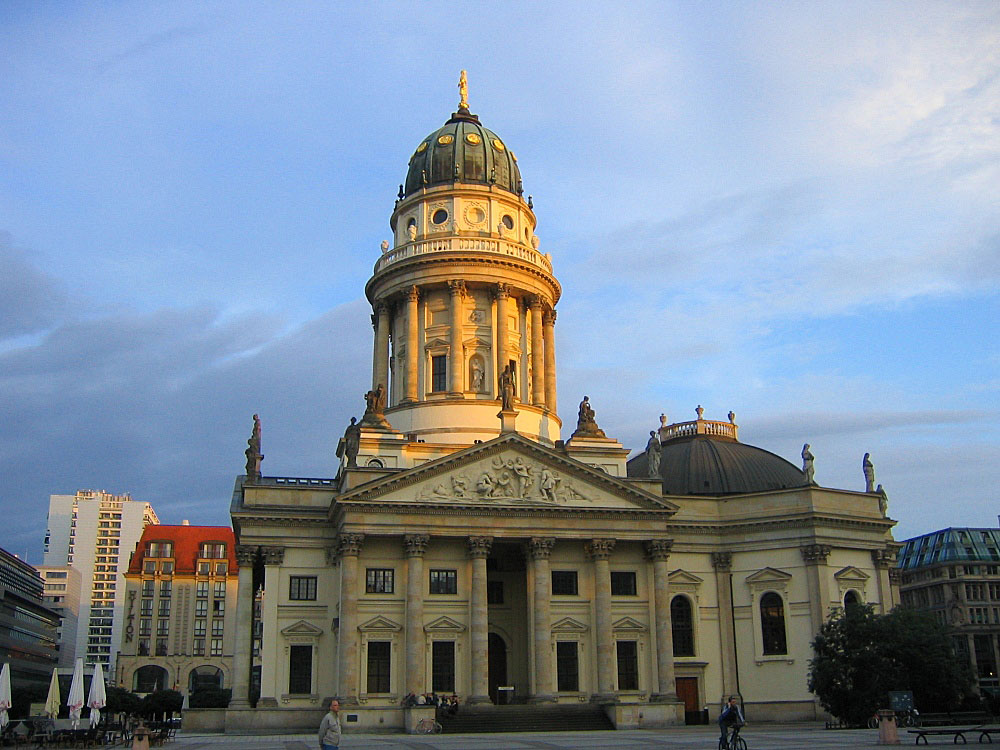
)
(470, 544)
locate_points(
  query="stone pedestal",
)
(508, 418)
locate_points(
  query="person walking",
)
(731, 716)
(329, 728)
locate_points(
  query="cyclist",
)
(731, 717)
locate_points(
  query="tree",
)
(121, 701)
(860, 656)
(161, 703)
(210, 697)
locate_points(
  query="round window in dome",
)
(440, 217)
(497, 144)
(422, 147)
(507, 221)
(445, 139)
(473, 138)
(475, 215)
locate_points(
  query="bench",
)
(956, 733)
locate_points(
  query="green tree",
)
(161, 704)
(210, 697)
(859, 656)
(121, 701)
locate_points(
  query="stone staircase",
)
(525, 718)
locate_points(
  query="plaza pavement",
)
(762, 737)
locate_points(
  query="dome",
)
(705, 458)
(462, 150)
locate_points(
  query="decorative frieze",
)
(540, 547)
(815, 553)
(479, 546)
(505, 479)
(659, 549)
(600, 549)
(415, 545)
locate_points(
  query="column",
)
(815, 556)
(415, 545)
(884, 560)
(540, 549)
(456, 359)
(502, 295)
(479, 550)
(537, 357)
(269, 687)
(722, 562)
(599, 550)
(549, 340)
(658, 552)
(412, 345)
(347, 643)
(242, 648)
(380, 368)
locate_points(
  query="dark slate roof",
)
(462, 150)
(705, 465)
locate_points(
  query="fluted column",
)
(347, 653)
(549, 340)
(380, 359)
(246, 556)
(502, 295)
(540, 549)
(599, 550)
(537, 354)
(815, 556)
(479, 550)
(722, 562)
(412, 345)
(415, 545)
(456, 363)
(658, 552)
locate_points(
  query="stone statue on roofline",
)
(374, 415)
(586, 422)
(653, 455)
(807, 464)
(253, 454)
(869, 470)
(352, 443)
(507, 386)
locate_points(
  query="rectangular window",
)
(212, 550)
(160, 549)
(567, 666)
(444, 582)
(439, 373)
(985, 664)
(145, 626)
(149, 567)
(148, 587)
(494, 592)
(623, 583)
(164, 608)
(163, 627)
(199, 646)
(199, 628)
(564, 583)
(201, 608)
(165, 588)
(201, 589)
(167, 567)
(146, 607)
(204, 568)
(300, 670)
(218, 607)
(379, 581)
(144, 647)
(628, 665)
(219, 590)
(217, 626)
(443, 667)
(216, 647)
(378, 666)
(161, 646)
(302, 588)
(220, 568)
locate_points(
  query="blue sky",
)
(790, 210)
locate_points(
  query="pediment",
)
(628, 624)
(569, 625)
(770, 576)
(443, 623)
(380, 623)
(850, 573)
(510, 470)
(435, 343)
(683, 578)
(301, 628)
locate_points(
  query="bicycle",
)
(428, 726)
(735, 742)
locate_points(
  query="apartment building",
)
(27, 627)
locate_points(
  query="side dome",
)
(705, 458)
(462, 150)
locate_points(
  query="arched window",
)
(205, 676)
(149, 679)
(851, 599)
(772, 624)
(682, 625)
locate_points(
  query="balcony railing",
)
(490, 245)
(699, 427)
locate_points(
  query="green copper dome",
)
(462, 150)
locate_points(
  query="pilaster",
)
(347, 636)
(479, 549)
(658, 553)
(414, 546)
(722, 562)
(540, 548)
(246, 556)
(599, 551)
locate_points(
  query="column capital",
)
(659, 549)
(815, 553)
(501, 290)
(273, 555)
(246, 555)
(600, 549)
(456, 287)
(349, 545)
(412, 294)
(382, 307)
(895, 576)
(535, 302)
(722, 561)
(415, 545)
(479, 546)
(540, 547)
(549, 318)
(884, 558)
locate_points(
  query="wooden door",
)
(687, 691)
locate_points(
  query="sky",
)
(790, 210)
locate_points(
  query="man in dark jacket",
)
(731, 716)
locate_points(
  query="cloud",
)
(30, 299)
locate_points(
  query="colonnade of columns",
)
(537, 311)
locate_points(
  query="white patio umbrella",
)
(53, 699)
(98, 695)
(4, 694)
(75, 700)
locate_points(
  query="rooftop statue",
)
(507, 387)
(586, 424)
(374, 415)
(807, 464)
(463, 90)
(653, 455)
(869, 469)
(352, 443)
(253, 454)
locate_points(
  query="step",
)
(542, 718)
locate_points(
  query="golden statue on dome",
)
(463, 91)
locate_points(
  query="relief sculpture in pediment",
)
(506, 479)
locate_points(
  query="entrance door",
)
(497, 665)
(687, 691)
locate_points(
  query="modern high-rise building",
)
(27, 627)
(95, 532)
(62, 596)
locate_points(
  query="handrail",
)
(492, 245)
(699, 427)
